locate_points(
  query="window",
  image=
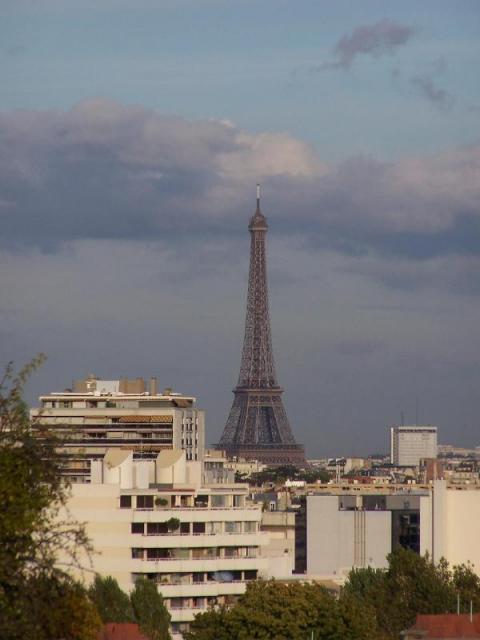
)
(218, 501)
(137, 527)
(156, 528)
(250, 574)
(198, 603)
(233, 527)
(125, 502)
(144, 502)
(205, 554)
(198, 577)
(176, 603)
(250, 527)
(198, 527)
(137, 553)
(184, 527)
(157, 554)
(238, 501)
(214, 527)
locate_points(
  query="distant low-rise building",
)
(244, 467)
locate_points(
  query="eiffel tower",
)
(257, 427)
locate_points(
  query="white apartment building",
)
(200, 543)
(408, 445)
(129, 414)
(359, 527)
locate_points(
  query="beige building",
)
(280, 550)
(200, 543)
(350, 527)
(127, 414)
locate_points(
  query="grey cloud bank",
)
(103, 170)
(124, 250)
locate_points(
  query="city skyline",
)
(132, 137)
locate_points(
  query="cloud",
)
(428, 89)
(105, 171)
(456, 275)
(376, 40)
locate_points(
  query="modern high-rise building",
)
(258, 427)
(97, 415)
(408, 445)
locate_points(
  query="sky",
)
(132, 134)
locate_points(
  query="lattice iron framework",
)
(257, 425)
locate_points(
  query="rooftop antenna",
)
(402, 418)
(416, 411)
(258, 196)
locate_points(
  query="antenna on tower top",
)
(258, 196)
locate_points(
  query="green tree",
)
(70, 614)
(150, 612)
(278, 611)
(173, 524)
(411, 585)
(466, 585)
(32, 532)
(214, 624)
(112, 603)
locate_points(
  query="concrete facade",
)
(280, 550)
(408, 445)
(206, 555)
(350, 529)
(103, 417)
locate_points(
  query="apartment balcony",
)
(196, 540)
(185, 614)
(201, 589)
(176, 565)
(195, 514)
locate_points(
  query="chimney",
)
(153, 386)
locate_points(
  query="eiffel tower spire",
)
(257, 426)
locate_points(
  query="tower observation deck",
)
(257, 426)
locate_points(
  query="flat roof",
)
(118, 394)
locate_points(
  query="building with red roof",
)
(449, 626)
(120, 631)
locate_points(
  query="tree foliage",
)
(58, 608)
(278, 611)
(278, 475)
(32, 533)
(149, 610)
(411, 585)
(112, 603)
(375, 604)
